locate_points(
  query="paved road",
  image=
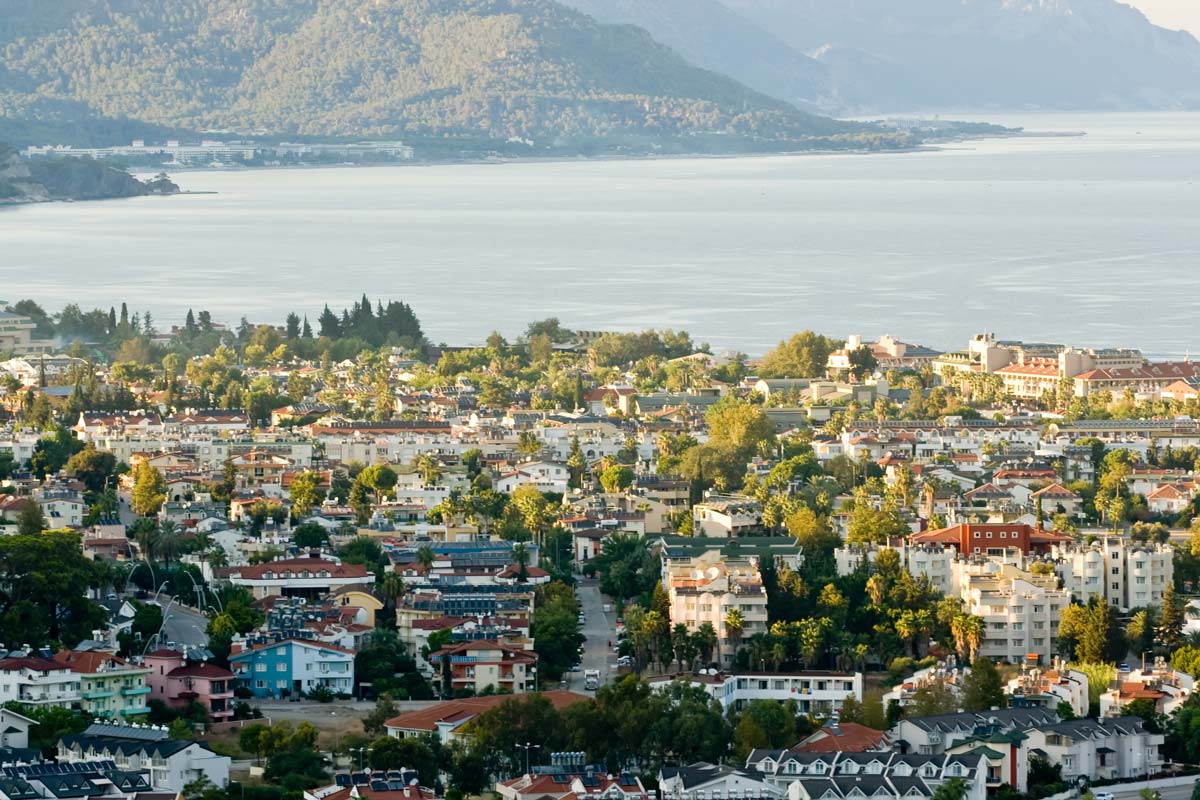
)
(1168, 793)
(182, 625)
(600, 629)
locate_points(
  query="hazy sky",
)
(1174, 14)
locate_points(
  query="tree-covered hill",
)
(498, 69)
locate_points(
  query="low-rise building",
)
(883, 775)
(445, 720)
(1168, 689)
(170, 763)
(702, 780)
(725, 517)
(935, 734)
(816, 693)
(296, 577)
(1037, 687)
(1108, 749)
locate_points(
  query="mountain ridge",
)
(499, 69)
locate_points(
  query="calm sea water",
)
(1093, 240)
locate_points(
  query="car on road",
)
(624, 661)
(576, 667)
(1103, 795)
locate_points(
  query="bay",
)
(1091, 240)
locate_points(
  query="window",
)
(260, 667)
(281, 667)
(1116, 570)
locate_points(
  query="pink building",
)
(179, 682)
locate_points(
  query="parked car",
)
(1103, 795)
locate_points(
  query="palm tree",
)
(734, 625)
(520, 554)
(706, 639)
(906, 629)
(968, 634)
(425, 557)
(391, 587)
(147, 542)
(169, 540)
(875, 589)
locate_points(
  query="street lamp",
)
(360, 751)
(527, 747)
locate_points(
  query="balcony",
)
(135, 711)
(98, 695)
(131, 691)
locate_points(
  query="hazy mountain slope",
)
(1079, 54)
(712, 36)
(495, 68)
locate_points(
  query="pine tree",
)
(189, 324)
(112, 320)
(306, 329)
(293, 326)
(328, 324)
(124, 315)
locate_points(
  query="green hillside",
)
(494, 69)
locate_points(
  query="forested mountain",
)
(531, 69)
(714, 37)
(928, 54)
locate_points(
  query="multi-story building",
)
(296, 577)
(935, 735)
(110, 687)
(1121, 572)
(1020, 610)
(818, 776)
(702, 780)
(179, 682)
(170, 764)
(16, 334)
(932, 561)
(997, 539)
(292, 667)
(709, 588)
(1108, 749)
(1038, 687)
(1166, 688)
(815, 693)
(725, 517)
(483, 664)
(38, 681)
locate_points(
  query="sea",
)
(1091, 240)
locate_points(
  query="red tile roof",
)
(298, 565)
(427, 719)
(848, 737)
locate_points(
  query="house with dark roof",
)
(169, 764)
(703, 780)
(861, 776)
(1108, 749)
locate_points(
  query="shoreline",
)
(933, 146)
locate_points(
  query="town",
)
(327, 559)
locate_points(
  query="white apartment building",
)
(1108, 749)
(932, 561)
(1123, 573)
(708, 587)
(16, 334)
(1038, 687)
(726, 516)
(816, 693)
(1167, 688)
(1020, 610)
(37, 681)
